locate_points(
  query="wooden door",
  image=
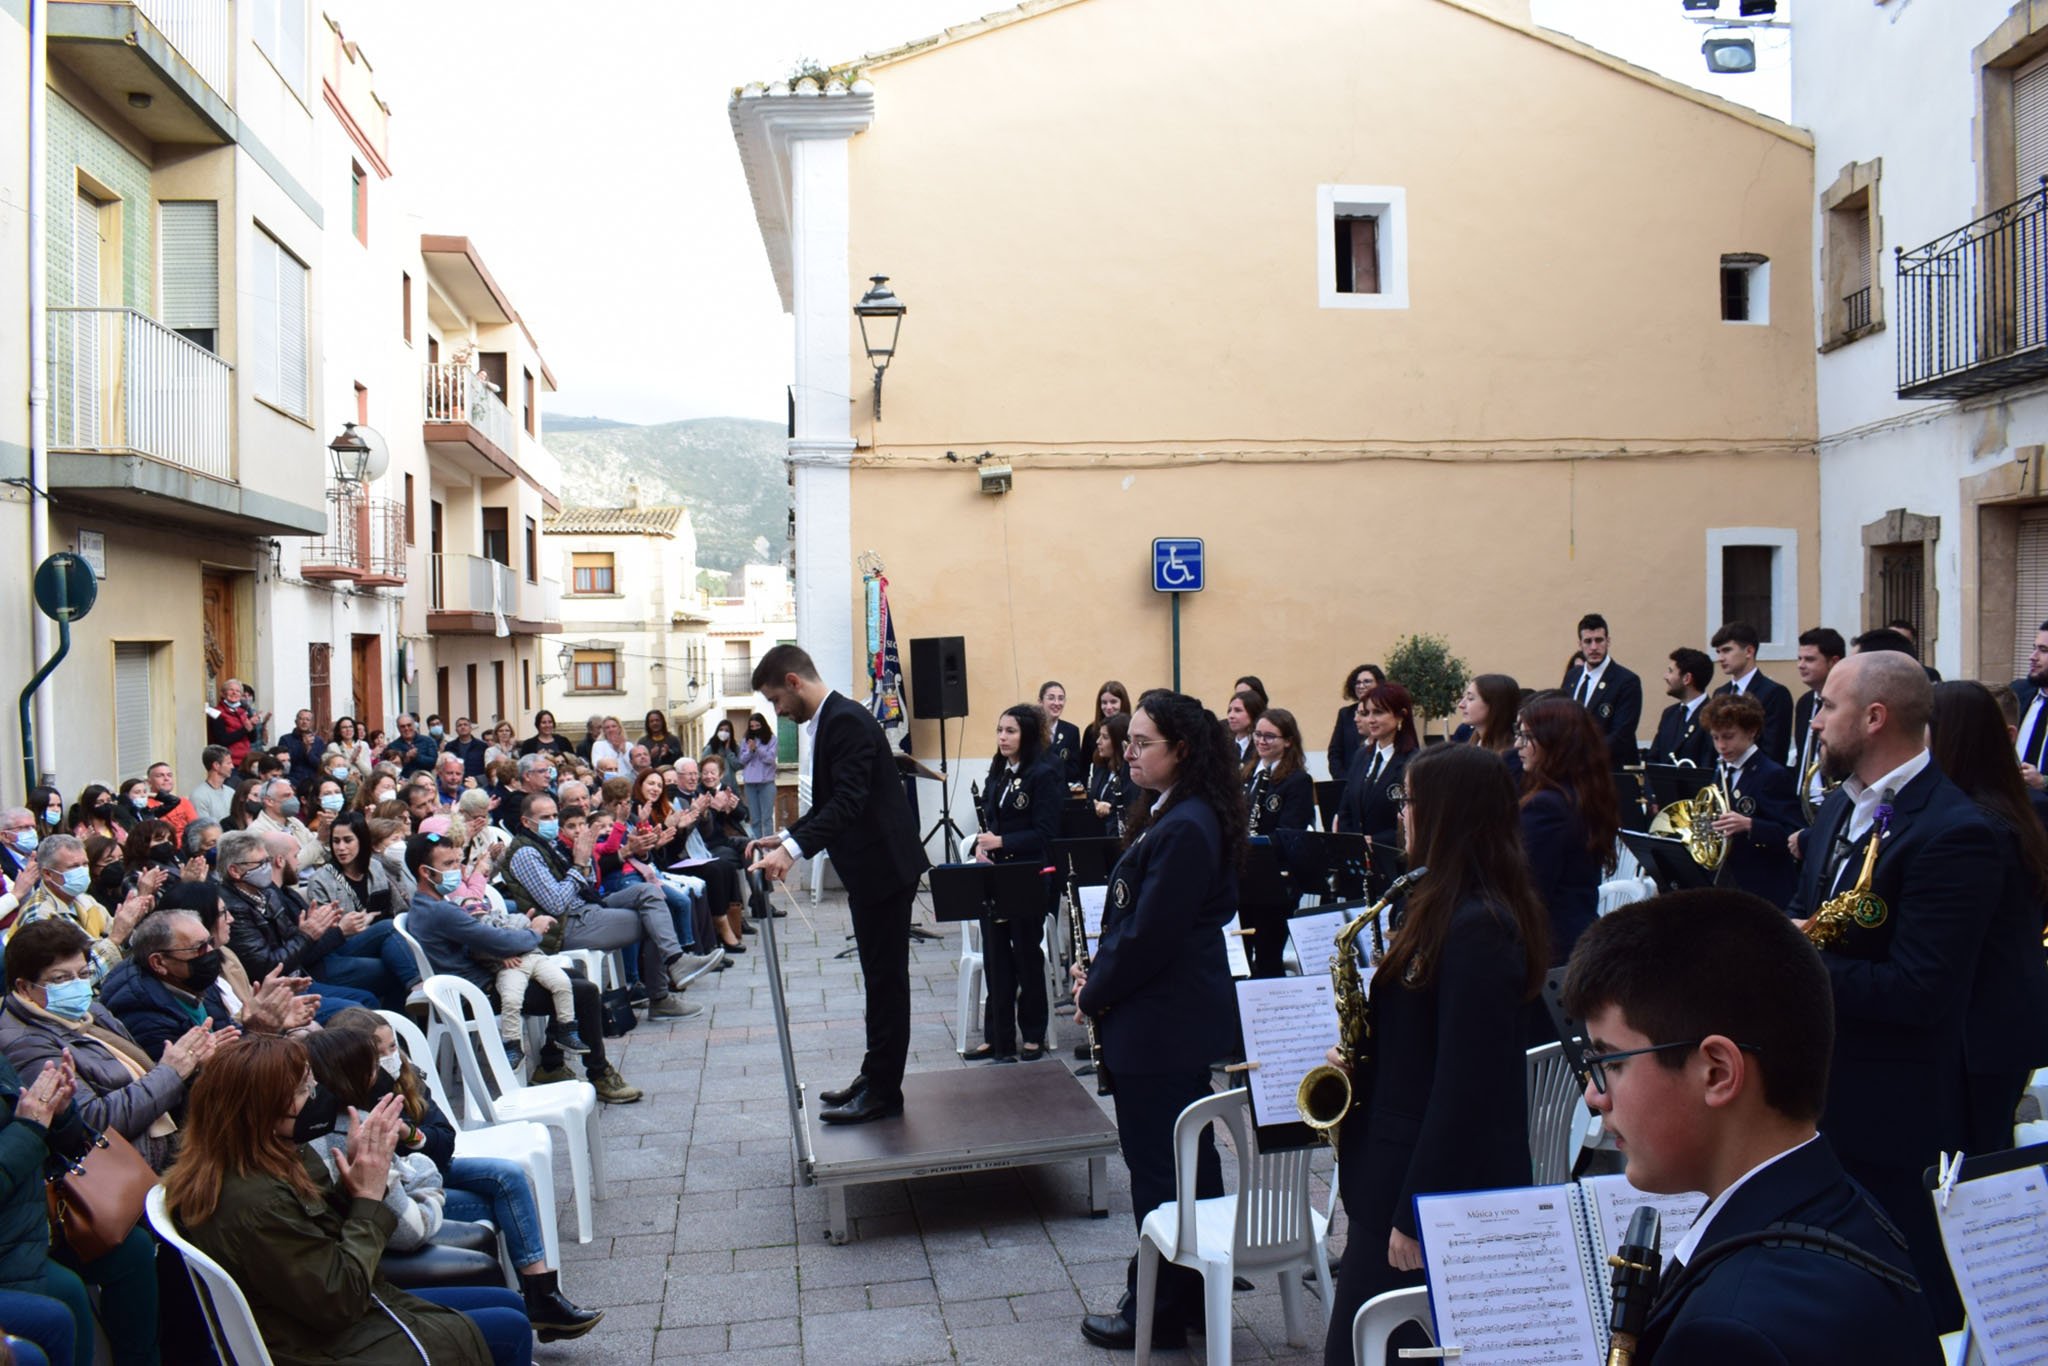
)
(217, 610)
(366, 676)
(319, 667)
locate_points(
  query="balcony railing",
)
(457, 394)
(203, 31)
(365, 540)
(123, 383)
(1856, 309)
(1973, 305)
(472, 583)
(736, 680)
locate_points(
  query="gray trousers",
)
(632, 915)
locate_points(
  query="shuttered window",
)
(189, 273)
(84, 350)
(1856, 241)
(280, 357)
(134, 745)
(280, 31)
(2030, 132)
(2030, 582)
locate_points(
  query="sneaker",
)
(543, 1075)
(686, 968)
(515, 1051)
(612, 1088)
(673, 1008)
(636, 993)
(565, 1037)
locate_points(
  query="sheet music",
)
(1507, 1276)
(1315, 941)
(1609, 1202)
(1289, 1024)
(1995, 1230)
(1092, 900)
(1233, 949)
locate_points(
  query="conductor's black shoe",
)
(846, 1092)
(1119, 1334)
(865, 1106)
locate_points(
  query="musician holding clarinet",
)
(1020, 816)
(1158, 990)
(1438, 1085)
(1710, 1026)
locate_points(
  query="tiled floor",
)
(707, 1245)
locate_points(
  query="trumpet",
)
(1077, 942)
(1325, 1096)
(1692, 822)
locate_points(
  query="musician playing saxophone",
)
(1903, 961)
(1440, 1097)
(1159, 988)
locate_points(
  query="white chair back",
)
(1623, 891)
(1379, 1316)
(419, 955)
(1554, 1100)
(472, 1030)
(414, 1045)
(226, 1309)
(1273, 1209)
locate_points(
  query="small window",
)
(528, 410)
(405, 304)
(497, 536)
(1746, 582)
(1745, 288)
(532, 551)
(1362, 246)
(188, 271)
(359, 203)
(1753, 576)
(433, 350)
(526, 684)
(591, 573)
(596, 671)
(410, 538)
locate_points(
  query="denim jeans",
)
(761, 809)
(499, 1314)
(335, 998)
(382, 943)
(39, 1328)
(495, 1189)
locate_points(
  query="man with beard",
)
(2032, 692)
(1679, 732)
(1902, 971)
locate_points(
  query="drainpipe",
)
(39, 364)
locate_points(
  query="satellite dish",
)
(379, 458)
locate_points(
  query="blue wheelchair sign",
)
(1177, 564)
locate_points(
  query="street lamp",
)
(690, 690)
(881, 306)
(359, 456)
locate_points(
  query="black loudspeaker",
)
(938, 677)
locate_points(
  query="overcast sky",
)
(587, 152)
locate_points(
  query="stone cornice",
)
(765, 121)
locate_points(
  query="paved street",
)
(707, 1247)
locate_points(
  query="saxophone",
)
(1857, 906)
(1325, 1096)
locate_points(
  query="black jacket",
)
(1159, 989)
(1682, 737)
(1776, 700)
(1788, 1305)
(151, 1013)
(1289, 804)
(1563, 872)
(1758, 862)
(1111, 785)
(1064, 748)
(1024, 808)
(1802, 728)
(1373, 813)
(2005, 1029)
(1345, 741)
(266, 932)
(1616, 706)
(859, 814)
(1441, 1101)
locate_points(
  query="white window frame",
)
(1781, 632)
(275, 322)
(279, 28)
(1389, 204)
(1758, 278)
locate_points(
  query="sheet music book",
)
(1519, 1277)
(1289, 1024)
(1093, 900)
(1995, 1230)
(1315, 941)
(1233, 949)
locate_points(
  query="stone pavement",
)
(708, 1246)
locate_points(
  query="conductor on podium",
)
(860, 817)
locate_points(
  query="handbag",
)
(616, 1006)
(96, 1201)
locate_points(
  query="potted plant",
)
(1433, 676)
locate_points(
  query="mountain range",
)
(728, 471)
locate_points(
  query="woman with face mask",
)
(93, 814)
(723, 744)
(47, 805)
(303, 1245)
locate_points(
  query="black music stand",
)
(1670, 783)
(1000, 891)
(1333, 865)
(1078, 820)
(1667, 861)
(1261, 886)
(1329, 795)
(1086, 862)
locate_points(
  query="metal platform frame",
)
(957, 1120)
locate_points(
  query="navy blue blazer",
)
(1563, 872)
(859, 813)
(1759, 863)
(1776, 700)
(1682, 737)
(1159, 989)
(1616, 706)
(2005, 1029)
(1345, 741)
(1373, 813)
(1025, 809)
(1901, 989)
(1789, 1305)
(1064, 745)
(1289, 804)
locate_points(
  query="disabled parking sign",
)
(1177, 564)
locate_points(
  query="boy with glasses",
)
(1710, 1026)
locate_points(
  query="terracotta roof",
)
(646, 521)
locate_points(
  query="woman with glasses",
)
(1386, 723)
(1158, 989)
(1570, 819)
(1346, 739)
(1109, 777)
(1442, 1085)
(1020, 818)
(1280, 799)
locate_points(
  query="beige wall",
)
(1103, 221)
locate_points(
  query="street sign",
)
(1177, 564)
(66, 587)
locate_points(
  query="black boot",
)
(552, 1316)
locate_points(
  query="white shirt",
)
(1742, 683)
(1590, 684)
(1733, 767)
(1382, 755)
(1692, 708)
(808, 764)
(1885, 789)
(1690, 1244)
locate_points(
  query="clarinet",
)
(1636, 1267)
(1077, 936)
(1256, 798)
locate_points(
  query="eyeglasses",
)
(1597, 1063)
(1267, 736)
(1139, 746)
(1521, 736)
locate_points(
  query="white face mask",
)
(393, 1063)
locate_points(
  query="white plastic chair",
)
(1267, 1225)
(229, 1320)
(1623, 891)
(973, 983)
(523, 1142)
(1379, 1316)
(570, 1106)
(1555, 1100)
(419, 958)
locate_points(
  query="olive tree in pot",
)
(1433, 676)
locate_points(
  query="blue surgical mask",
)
(434, 731)
(70, 999)
(288, 808)
(450, 880)
(76, 880)
(139, 803)
(331, 801)
(548, 828)
(26, 839)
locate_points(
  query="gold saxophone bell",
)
(1692, 822)
(1325, 1096)
(1858, 906)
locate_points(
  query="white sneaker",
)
(690, 966)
